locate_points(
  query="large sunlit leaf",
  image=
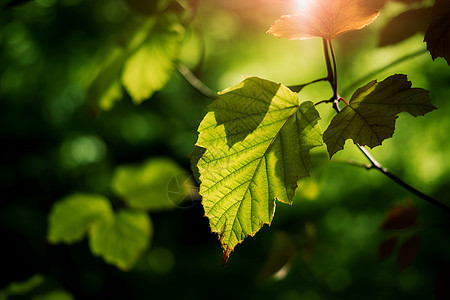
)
(438, 33)
(121, 238)
(72, 216)
(370, 117)
(157, 184)
(324, 18)
(257, 138)
(150, 67)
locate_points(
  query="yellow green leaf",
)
(257, 137)
(121, 238)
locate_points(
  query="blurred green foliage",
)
(56, 142)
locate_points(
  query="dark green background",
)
(54, 142)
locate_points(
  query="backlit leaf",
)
(121, 238)
(150, 67)
(324, 18)
(157, 184)
(72, 216)
(438, 33)
(257, 138)
(370, 117)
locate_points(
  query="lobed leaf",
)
(324, 18)
(438, 33)
(150, 67)
(370, 117)
(72, 216)
(121, 238)
(257, 138)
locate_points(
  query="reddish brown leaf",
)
(438, 33)
(442, 284)
(400, 217)
(324, 18)
(408, 251)
(387, 247)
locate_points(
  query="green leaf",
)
(23, 287)
(141, 59)
(121, 238)
(370, 117)
(157, 184)
(150, 67)
(54, 295)
(195, 155)
(72, 216)
(257, 138)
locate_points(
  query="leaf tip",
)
(226, 255)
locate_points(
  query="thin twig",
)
(299, 87)
(195, 82)
(374, 163)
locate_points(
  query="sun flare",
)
(301, 4)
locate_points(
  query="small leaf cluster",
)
(120, 236)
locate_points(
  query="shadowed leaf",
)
(324, 18)
(195, 155)
(400, 217)
(257, 138)
(404, 25)
(438, 33)
(408, 251)
(370, 117)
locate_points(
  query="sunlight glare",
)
(301, 3)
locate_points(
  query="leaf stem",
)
(195, 82)
(330, 73)
(374, 164)
(335, 95)
(299, 87)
